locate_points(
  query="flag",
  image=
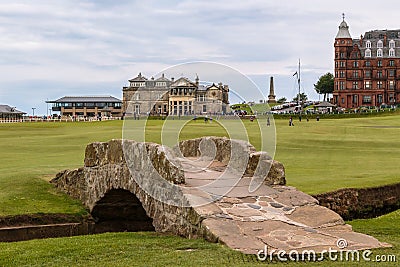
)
(295, 73)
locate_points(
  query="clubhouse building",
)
(10, 113)
(367, 69)
(163, 96)
(87, 106)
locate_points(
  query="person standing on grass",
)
(291, 121)
(268, 121)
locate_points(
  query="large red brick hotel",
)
(367, 70)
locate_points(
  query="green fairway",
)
(318, 156)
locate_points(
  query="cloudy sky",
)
(49, 49)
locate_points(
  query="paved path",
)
(280, 217)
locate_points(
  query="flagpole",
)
(298, 82)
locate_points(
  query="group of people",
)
(291, 120)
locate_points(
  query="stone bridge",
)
(214, 188)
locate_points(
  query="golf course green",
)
(318, 156)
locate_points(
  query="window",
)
(380, 99)
(391, 52)
(342, 74)
(355, 74)
(137, 96)
(161, 84)
(391, 73)
(379, 44)
(342, 55)
(368, 53)
(379, 63)
(355, 85)
(101, 105)
(368, 44)
(379, 84)
(367, 64)
(379, 53)
(342, 64)
(336, 64)
(391, 98)
(342, 85)
(342, 100)
(366, 99)
(379, 74)
(367, 74)
(391, 63)
(391, 85)
(137, 109)
(392, 44)
(204, 108)
(355, 64)
(367, 84)
(355, 99)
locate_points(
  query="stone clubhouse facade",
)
(163, 96)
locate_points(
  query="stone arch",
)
(120, 210)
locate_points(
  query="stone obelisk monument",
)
(271, 96)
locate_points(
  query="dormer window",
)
(379, 53)
(392, 44)
(391, 52)
(368, 44)
(368, 53)
(379, 44)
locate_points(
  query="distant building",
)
(89, 106)
(367, 70)
(165, 96)
(10, 113)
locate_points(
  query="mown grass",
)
(318, 156)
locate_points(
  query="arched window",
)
(391, 52)
(392, 44)
(379, 44)
(368, 52)
(379, 53)
(368, 44)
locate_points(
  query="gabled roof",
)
(10, 110)
(138, 78)
(162, 79)
(183, 82)
(213, 86)
(92, 99)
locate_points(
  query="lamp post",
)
(33, 111)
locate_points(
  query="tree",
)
(303, 97)
(281, 100)
(325, 84)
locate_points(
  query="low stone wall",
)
(362, 203)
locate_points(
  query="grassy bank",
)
(152, 249)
